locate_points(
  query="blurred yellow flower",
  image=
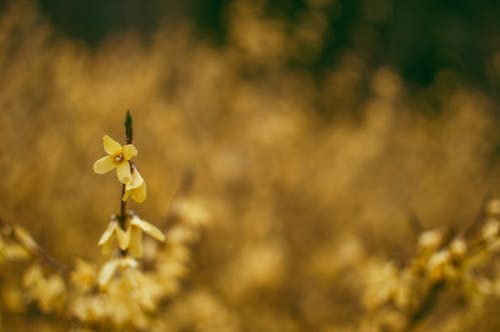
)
(136, 188)
(110, 267)
(106, 240)
(437, 266)
(118, 157)
(83, 275)
(12, 252)
(48, 292)
(134, 235)
(430, 240)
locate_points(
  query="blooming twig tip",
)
(128, 127)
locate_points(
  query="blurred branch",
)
(426, 305)
(20, 236)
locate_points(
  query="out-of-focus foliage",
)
(421, 39)
(309, 204)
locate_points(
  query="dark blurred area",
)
(417, 38)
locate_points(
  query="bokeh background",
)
(315, 129)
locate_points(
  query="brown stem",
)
(122, 217)
(426, 305)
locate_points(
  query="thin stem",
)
(426, 306)
(123, 210)
(129, 137)
(129, 131)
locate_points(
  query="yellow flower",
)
(110, 268)
(118, 157)
(438, 265)
(106, 240)
(48, 292)
(83, 276)
(134, 235)
(136, 188)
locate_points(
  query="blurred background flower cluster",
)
(323, 136)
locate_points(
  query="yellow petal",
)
(107, 247)
(129, 151)
(123, 238)
(104, 165)
(25, 238)
(128, 262)
(136, 188)
(123, 172)
(107, 272)
(111, 146)
(33, 276)
(108, 233)
(136, 181)
(135, 247)
(139, 194)
(148, 228)
(15, 252)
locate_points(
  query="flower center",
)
(119, 157)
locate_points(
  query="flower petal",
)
(111, 146)
(25, 238)
(136, 188)
(129, 151)
(123, 172)
(107, 272)
(107, 247)
(148, 228)
(135, 247)
(123, 238)
(108, 233)
(136, 181)
(139, 194)
(104, 165)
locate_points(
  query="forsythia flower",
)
(13, 251)
(118, 157)
(134, 235)
(110, 267)
(83, 276)
(48, 292)
(437, 265)
(131, 238)
(106, 240)
(136, 188)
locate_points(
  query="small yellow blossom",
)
(136, 188)
(118, 157)
(134, 235)
(83, 275)
(458, 248)
(382, 284)
(430, 240)
(106, 240)
(493, 207)
(13, 251)
(48, 292)
(437, 265)
(110, 267)
(490, 229)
